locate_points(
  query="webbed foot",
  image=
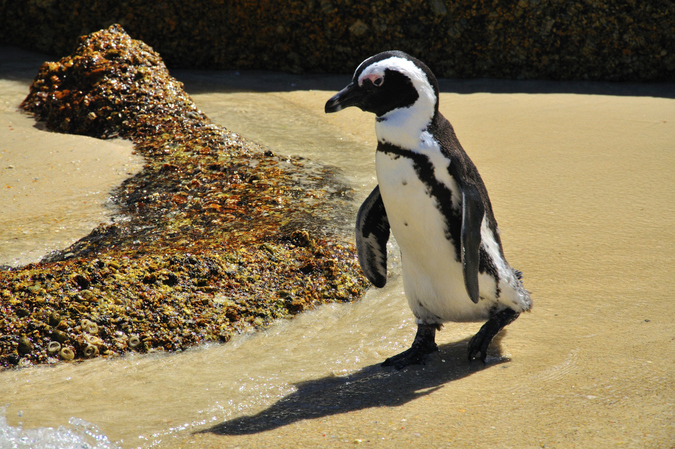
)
(480, 342)
(424, 344)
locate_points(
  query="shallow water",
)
(583, 186)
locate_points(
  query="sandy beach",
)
(582, 181)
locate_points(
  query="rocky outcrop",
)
(215, 235)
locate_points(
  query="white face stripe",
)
(404, 126)
(405, 66)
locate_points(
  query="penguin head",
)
(388, 82)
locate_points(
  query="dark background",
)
(526, 39)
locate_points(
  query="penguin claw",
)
(478, 346)
(416, 355)
(423, 345)
(480, 342)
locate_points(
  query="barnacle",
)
(67, 353)
(134, 342)
(53, 347)
(90, 351)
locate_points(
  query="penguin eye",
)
(377, 82)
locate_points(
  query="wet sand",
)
(54, 188)
(583, 187)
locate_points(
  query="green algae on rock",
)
(215, 236)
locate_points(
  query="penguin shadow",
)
(372, 386)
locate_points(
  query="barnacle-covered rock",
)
(214, 226)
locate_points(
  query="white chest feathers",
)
(433, 275)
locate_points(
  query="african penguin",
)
(430, 195)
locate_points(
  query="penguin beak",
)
(352, 95)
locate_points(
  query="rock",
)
(358, 28)
(25, 345)
(199, 223)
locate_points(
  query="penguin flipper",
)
(472, 217)
(372, 233)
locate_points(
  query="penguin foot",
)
(424, 344)
(480, 342)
